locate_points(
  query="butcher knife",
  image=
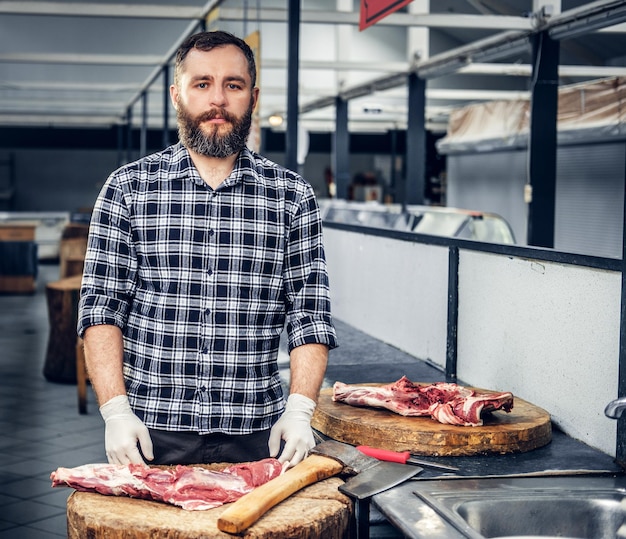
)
(370, 476)
(404, 457)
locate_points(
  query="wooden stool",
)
(62, 297)
(74, 265)
(72, 249)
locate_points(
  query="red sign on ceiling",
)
(374, 10)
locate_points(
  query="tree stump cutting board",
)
(319, 511)
(525, 428)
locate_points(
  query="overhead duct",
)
(586, 19)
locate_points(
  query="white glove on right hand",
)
(294, 427)
(122, 431)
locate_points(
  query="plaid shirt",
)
(201, 282)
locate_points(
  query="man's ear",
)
(174, 96)
(255, 97)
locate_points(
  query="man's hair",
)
(206, 41)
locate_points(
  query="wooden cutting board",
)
(319, 511)
(525, 428)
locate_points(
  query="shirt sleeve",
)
(309, 318)
(108, 283)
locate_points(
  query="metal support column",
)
(293, 57)
(129, 134)
(542, 143)
(120, 144)
(143, 139)
(620, 451)
(393, 172)
(415, 171)
(166, 106)
(341, 148)
(453, 314)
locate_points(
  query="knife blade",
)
(403, 457)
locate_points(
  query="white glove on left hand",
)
(123, 431)
(294, 427)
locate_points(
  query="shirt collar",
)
(182, 165)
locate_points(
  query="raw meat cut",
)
(189, 487)
(448, 403)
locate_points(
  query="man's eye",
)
(202, 85)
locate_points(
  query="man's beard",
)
(213, 144)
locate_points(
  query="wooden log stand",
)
(319, 511)
(62, 297)
(525, 428)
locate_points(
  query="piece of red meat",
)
(445, 402)
(189, 487)
(256, 473)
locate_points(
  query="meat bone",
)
(325, 460)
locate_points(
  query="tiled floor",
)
(41, 429)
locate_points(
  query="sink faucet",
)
(615, 408)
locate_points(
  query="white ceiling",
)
(83, 63)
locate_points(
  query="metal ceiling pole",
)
(120, 144)
(143, 139)
(293, 57)
(166, 106)
(542, 143)
(129, 134)
(415, 141)
(341, 149)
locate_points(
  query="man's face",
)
(214, 101)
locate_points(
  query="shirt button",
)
(210, 272)
(211, 232)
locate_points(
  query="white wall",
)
(394, 291)
(548, 332)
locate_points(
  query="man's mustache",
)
(215, 113)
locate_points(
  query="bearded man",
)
(199, 257)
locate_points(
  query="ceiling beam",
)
(79, 58)
(524, 70)
(430, 20)
(174, 11)
(520, 70)
(97, 9)
(58, 120)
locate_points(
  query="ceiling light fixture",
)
(275, 120)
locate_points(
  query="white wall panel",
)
(395, 291)
(547, 332)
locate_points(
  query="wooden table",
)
(17, 239)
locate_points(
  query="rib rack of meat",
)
(189, 487)
(445, 402)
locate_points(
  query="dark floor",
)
(41, 429)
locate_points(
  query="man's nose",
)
(217, 96)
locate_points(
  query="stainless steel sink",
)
(587, 507)
(536, 513)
